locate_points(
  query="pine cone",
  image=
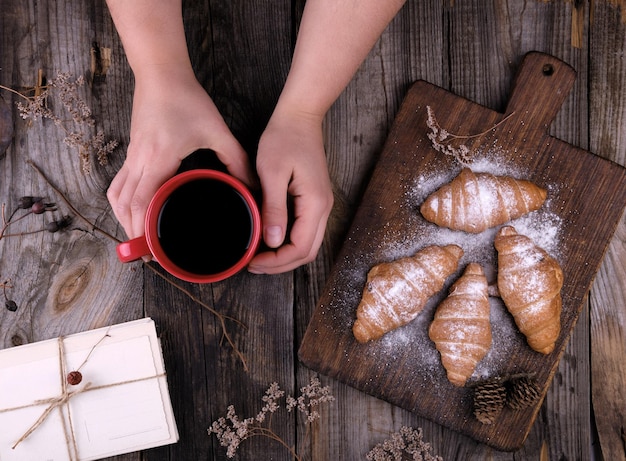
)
(522, 392)
(489, 399)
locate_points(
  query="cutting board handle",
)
(540, 88)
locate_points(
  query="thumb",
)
(274, 212)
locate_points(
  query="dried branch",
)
(221, 317)
(93, 227)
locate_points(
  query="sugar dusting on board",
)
(409, 346)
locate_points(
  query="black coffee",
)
(205, 227)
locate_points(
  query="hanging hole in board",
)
(548, 70)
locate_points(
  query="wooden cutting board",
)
(586, 198)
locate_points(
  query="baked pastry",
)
(473, 202)
(461, 329)
(397, 291)
(529, 282)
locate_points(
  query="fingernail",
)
(273, 236)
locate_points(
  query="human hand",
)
(172, 117)
(291, 161)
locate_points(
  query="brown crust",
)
(529, 282)
(461, 328)
(397, 291)
(473, 202)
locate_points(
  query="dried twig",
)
(221, 317)
(9, 304)
(30, 206)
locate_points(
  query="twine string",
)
(62, 401)
(57, 402)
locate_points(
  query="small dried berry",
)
(74, 378)
(59, 224)
(10, 305)
(52, 226)
(38, 207)
(27, 201)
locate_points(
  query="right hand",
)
(291, 161)
(172, 117)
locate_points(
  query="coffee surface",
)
(205, 227)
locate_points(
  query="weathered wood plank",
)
(608, 327)
(242, 62)
(522, 28)
(608, 296)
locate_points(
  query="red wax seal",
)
(74, 378)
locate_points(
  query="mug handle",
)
(133, 249)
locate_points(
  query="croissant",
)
(529, 282)
(461, 329)
(473, 202)
(396, 292)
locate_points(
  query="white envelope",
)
(122, 404)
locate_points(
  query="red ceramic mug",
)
(202, 226)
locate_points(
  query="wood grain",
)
(607, 299)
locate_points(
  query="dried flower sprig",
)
(310, 398)
(406, 444)
(231, 430)
(441, 138)
(79, 129)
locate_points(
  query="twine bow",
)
(59, 402)
(62, 401)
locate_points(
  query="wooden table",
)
(71, 281)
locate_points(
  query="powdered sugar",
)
(395, 242)
(542, 226)
(407, 352)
